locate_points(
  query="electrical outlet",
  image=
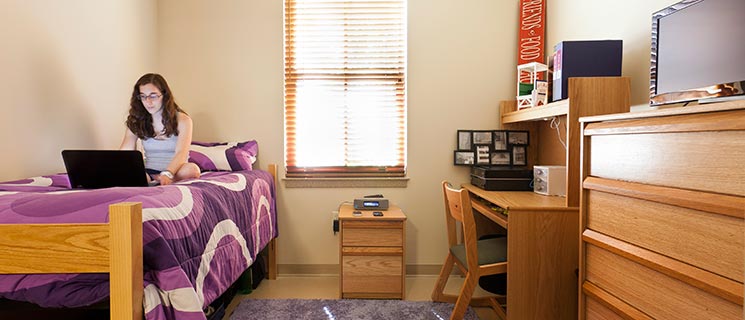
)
(335, 221)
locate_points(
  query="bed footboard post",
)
(272, 247)
(272, 263)
(126, 288)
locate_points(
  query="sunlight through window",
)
(345, 75)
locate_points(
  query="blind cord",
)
(555, 124)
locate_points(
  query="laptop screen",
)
(94, 169)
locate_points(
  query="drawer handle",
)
(702, 279)
(613, 303)
(696, 200)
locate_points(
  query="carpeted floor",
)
(356, 309)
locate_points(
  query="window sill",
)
(399, 182)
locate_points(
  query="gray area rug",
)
(344, 309)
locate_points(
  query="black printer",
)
(500, 178)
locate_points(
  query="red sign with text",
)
(532, 33)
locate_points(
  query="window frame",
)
(293, 76)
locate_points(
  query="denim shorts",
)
(152, 172)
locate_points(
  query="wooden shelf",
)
(588, 96)
(550, 110)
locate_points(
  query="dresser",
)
(372, 253)
(662, 214)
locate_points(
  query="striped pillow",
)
(224, 156)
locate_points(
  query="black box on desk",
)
(596, 58)
(502, 178)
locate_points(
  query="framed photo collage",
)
(492, 148)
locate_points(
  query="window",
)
(345, 88)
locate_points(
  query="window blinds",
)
(345, 81)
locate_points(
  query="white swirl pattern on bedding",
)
(198, 237)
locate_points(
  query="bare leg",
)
(187, 171)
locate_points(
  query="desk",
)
(542, 251)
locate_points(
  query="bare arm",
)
(129, 142)
(182, 144)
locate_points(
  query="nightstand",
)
(372, 254)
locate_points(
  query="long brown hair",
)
(140, 121)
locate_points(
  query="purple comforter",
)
(198, 237)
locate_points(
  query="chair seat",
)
(490, 251)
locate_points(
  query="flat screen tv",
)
(698, 52)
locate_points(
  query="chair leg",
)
(497, 307)
(442, 280)
(464, 299)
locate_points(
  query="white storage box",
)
(550, 180)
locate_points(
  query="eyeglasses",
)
(152, 96)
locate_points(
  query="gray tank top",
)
(159, 153)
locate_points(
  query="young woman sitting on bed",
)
(164, 129)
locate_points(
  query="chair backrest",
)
(458, 208)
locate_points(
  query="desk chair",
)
(474, 258)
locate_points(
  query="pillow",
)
(224, 156)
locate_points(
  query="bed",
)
(161, 252)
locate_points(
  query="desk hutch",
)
(542, 231)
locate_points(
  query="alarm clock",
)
(371, 204)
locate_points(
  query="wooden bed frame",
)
(114, 248)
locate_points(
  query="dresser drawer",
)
(372, 274)
(652, 292)
(706, 240)
(372, 233)
(598, 311)
(707, 161)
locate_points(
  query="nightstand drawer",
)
(372, 274)
(370, 224)
(367, 251)
(372, 234)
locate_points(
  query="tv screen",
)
(698, 51)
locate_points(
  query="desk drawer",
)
(706, 240)
(372, 234)
(652, 292)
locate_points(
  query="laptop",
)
(95, 169)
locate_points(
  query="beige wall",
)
(226, 58)
(629, 20)
(68, 67)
